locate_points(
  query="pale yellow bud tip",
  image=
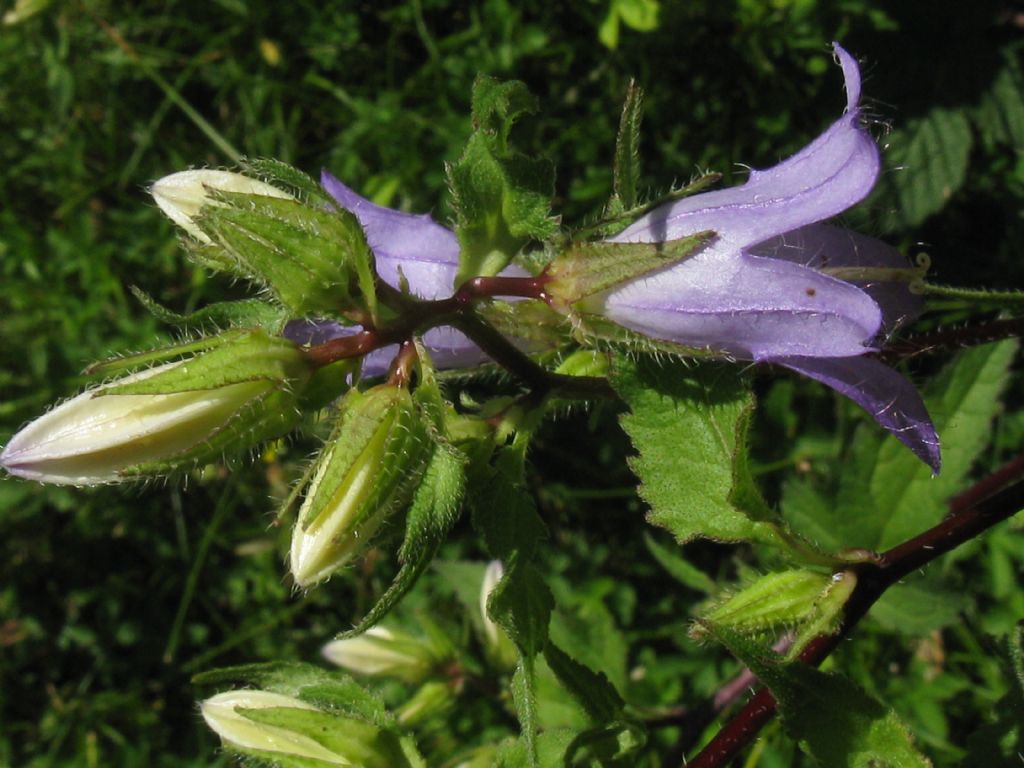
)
(238, 731)
(182, 195)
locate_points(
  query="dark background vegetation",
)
(111, 598)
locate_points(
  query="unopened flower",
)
(170, 416)
(382, 652)
(182, 195)
(291, 731)
(369, 469)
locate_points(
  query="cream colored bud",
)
(238, 731)
(92, 439)
(381, 652)
(182, 195)
(367, 471)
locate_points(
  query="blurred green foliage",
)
(111, 599)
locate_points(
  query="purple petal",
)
(748, 306)
(828, 176)
(890, 399)
(409, 244)
(823, 245)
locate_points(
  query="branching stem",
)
(458, 311)
(989, 501)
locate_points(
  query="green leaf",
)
(504, 512)
(679, 568)
(885, 494)
(920, 606)
(521, 604)
(501, 198)
(688, 425)
(929, 156)
(434, 510)
(283, 176)
(835, 721)
(615, 745)
(241, 357)
(1000, 115)
(1000, 744)
(592, 690)
(247, 313)
(627, 151)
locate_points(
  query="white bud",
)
(382, 652)
(182, 195)
(91, 439)
(240, 732)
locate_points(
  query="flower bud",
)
(369, 468)
(290, 731)
(172, 416)
(182, 195)
(381, 652)
(313, 259)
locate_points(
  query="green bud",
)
(368, 470)
(314, 260)
(381, 652)
(176, 415)
(776, 600)
(293, 732)
(589, 269)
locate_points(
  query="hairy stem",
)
(992, 500)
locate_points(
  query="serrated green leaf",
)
(615, 745)
(687, 423)
(504, 512)
(247, 313)
(886, 495)
(502, 198)
(592, 690)
(521, 604)
(834, 720)
(1000, 114)
(929, 155)
(1000, 744)
(920, 606)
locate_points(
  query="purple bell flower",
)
(761, 290)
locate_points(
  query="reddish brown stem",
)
(990, 501)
